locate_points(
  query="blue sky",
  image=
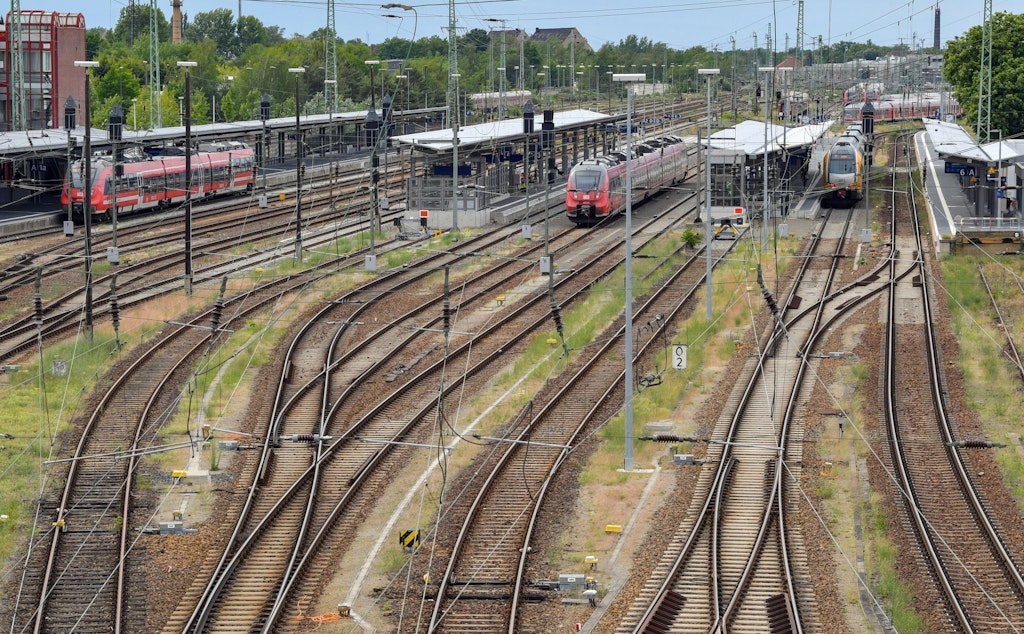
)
(678, 24)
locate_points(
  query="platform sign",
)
(679, 356)
(956, 168)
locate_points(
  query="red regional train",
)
(597, 187)
(159, 181)
(901, 108)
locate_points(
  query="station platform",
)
(956, 224)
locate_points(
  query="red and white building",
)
(51, 42)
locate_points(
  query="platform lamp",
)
(69, 126)
(629, 78)
(87, 200)
(187, 120)
(707, 189)
(115, 129)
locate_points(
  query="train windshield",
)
(842, 164)
(586, 180)
(77, 172)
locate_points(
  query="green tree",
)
(962, 68)
(119, 82)
(250, 31)
(217, 25)
(123, 29)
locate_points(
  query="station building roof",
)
(483, 135)
(748, 137)
(952, 141)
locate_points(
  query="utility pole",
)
(985, 77)
(732, 41)
(330, 59)
(188, 174)
(154, 68)
(453, 110)
(17, 77)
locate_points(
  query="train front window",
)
(842, 164)
(586, 180)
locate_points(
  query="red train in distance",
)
(597, 187)
(159, 181)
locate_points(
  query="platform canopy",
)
(491, 132)
(952, 141)
(748, 137)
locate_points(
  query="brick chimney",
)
(176, 21)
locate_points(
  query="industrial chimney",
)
(176, 21)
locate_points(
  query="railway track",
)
(974, 581)
(80, 584)
(361, 452)
(221, 225)
(481, 573)
(733, 564)
(157, 275)
(75, 576)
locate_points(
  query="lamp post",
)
(135, 125)
(371, 126)
(405, 106)
(611, 90)
(330, 87)
(767, 90)
(629, 78)
(69, 127)
(707, 188)
(298, 166)
(455, 154)
(87, 200)
(188, 173)
(501, 68)
(998, 178)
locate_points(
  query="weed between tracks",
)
(993, 383)
(35, 413)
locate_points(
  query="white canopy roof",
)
(440, 141)
(748, 137)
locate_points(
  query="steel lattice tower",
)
(453, 64)
(154, 68)
(331, 61)
(17, 77)
(985, 77)
(800, 32)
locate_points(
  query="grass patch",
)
(391, 560)
(991, 378)
(896, 596)
(37, 409)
